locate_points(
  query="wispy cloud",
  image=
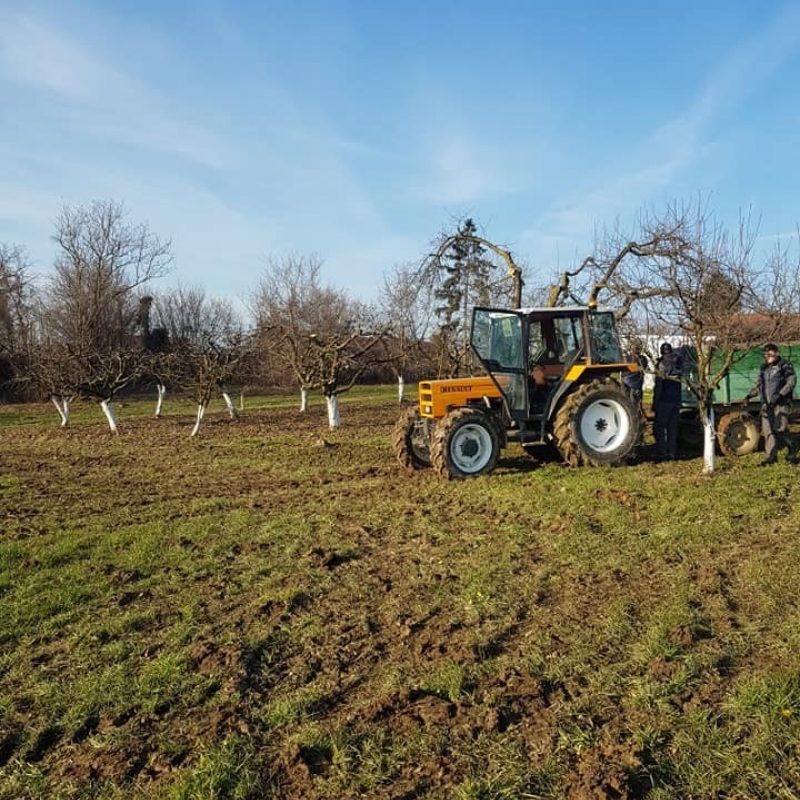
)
(754, 60)
(95, 97)
(286, 183)
(458, 172)
(35, 54)
(23, 203)
(674, 148)
(462, 169)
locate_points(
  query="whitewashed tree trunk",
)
(109, 412)
(709, 441)
(334, 419)
(62, 406)
(201, 412)
(162, 390)
(229, 404)
(401, 389)
(303, 398)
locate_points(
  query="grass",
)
(250, 614)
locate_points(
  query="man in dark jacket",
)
(775, 385)
(667, 402)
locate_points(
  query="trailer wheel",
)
(411, 440)
(598, 425)
(738, 435)
(465, 444)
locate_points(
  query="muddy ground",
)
(379, 597)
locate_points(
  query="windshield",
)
(605, 342)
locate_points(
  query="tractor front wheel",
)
(598, 425)
(465, 444)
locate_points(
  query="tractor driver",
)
(537, 385)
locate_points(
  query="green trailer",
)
(738, 425)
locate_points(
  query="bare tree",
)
(460, 275)
(49, 373)
(204, 346)
(214, 364)
(691, 276)
(288, 308)
(317, 332)
(160, 360)
(91, 304)
(17, 301)
(343, 356)
(407, 312)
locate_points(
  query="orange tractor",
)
(552, 383)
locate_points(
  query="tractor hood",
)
(437, 397)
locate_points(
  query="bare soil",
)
(368, 616)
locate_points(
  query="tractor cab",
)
(536, 354)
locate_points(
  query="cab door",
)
(498, 342)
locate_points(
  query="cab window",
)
(605, 342)
(497, 339)
(569, 334)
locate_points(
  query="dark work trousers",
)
(775, 429)
(665, 429)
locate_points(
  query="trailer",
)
(738, 420)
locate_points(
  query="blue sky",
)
(356, 130)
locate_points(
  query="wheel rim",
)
(604, 425)
(471, 448)
(741, 436)
(737, 435)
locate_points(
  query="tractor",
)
(551, 384)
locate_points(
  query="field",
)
(272, 610)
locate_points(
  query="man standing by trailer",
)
(775, 385)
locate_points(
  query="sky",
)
(356, 131)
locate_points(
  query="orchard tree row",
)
(99, 323)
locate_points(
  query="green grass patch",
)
(276, 610)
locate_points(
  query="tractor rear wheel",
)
(738, 435)
(465, 444)
(598, 425)
(411, 440)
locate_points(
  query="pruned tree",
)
(342, 356)
(286, 305)
(91, 304)
(160, 360)
(407, 313)
(214, 364)
(204, 346)
(50, 373)
(321, 336)
(460, 276)
(689, 275)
